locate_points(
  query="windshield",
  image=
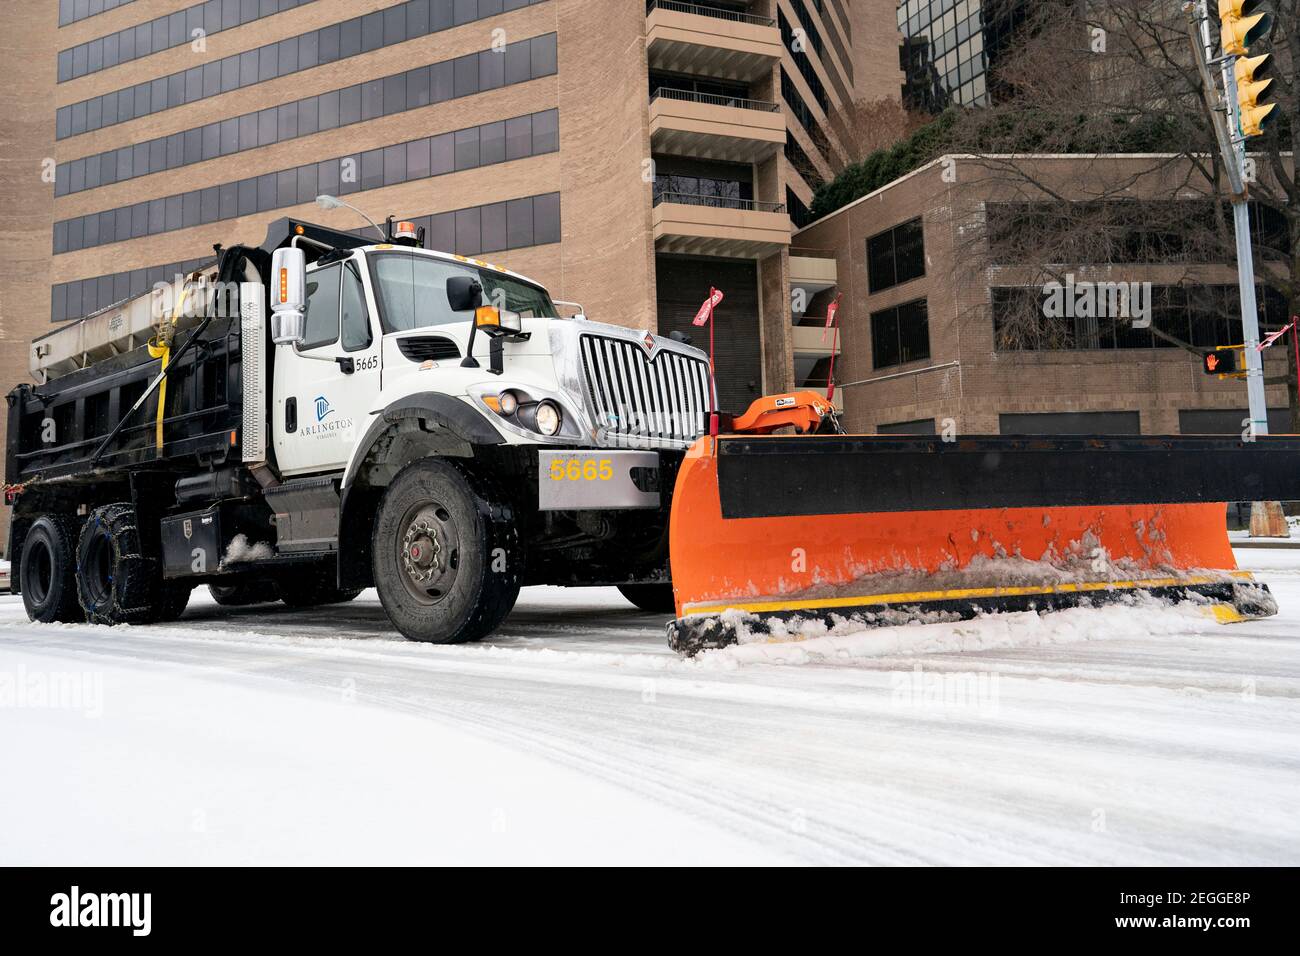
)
(412, 291)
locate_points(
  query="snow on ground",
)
(1113, 735)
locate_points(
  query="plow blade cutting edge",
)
(782, 537)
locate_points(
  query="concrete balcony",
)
(693, 38)
(684, 123)
(694, 225)
(813, 270)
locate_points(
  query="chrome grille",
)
(643, 399)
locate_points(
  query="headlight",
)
(509, 403)
(548, 419)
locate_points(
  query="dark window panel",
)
(444, 81)
(228, 202)
(519, 62)
(468, 236)
(308, 116)
(328, 111)
(417, 159)
(372, 169)
(495, 232)
(372, 31)
(395, 94)
(440, 15)
(266, 193)
(418, 88)
(395, 165)
(466, 68)
(442, 154)
(286, 187)
(417, 19)
(546, 132)
(395, 25)
(350, 106)
(491, 70)
(287, 122)
(307, 183)
(492, 143)
(544, 55)
(519, 137)
(546, 218)
(372, 99)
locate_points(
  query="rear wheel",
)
(48, 571)
(174, 599)
(243, 593)
(116, 582)
(446, 555)
(655, 598)
(312, 587)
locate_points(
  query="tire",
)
(116, 582)
(655, 598)
(243, 593)
(174, 598)
(446, 556)
(47, 572)
(313, 587)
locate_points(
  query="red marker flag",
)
(706, 310)
(1276, 335)
(831, 311)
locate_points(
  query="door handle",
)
(290, 415)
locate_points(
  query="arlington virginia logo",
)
(325, 425)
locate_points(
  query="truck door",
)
(321, 407)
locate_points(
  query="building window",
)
(901, 334)
(532, 220)
(1114, 315)
(1071, 423)
(896, 256)
(919, 426)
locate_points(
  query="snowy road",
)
(1117, 735)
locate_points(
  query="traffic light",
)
(1221, 362)
(1254, 91)
(1244, 22)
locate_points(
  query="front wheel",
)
(446, 555)
(655, 598)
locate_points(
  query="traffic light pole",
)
(1225, 119)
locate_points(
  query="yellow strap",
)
(164, 353)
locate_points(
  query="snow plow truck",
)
(322, 413)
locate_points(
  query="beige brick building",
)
(924, 298)
(629, 154)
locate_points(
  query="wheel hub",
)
(421, 552)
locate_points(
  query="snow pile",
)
(1082, 561)
(1139, 617)
(241, 549)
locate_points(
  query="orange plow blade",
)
(782, 537)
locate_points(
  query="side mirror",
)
(464, 293)
(288, 296)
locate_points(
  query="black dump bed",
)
(56, 429)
